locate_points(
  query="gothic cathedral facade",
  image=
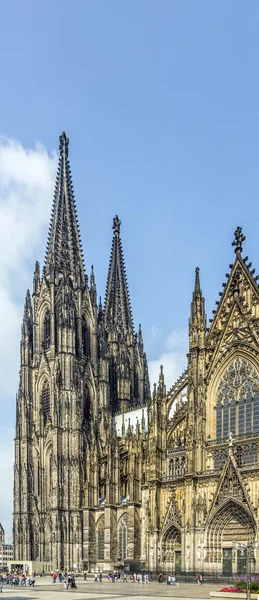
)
(105, 474)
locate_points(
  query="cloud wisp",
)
(26, 189)
(173, 358)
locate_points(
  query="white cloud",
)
(26, 190)
(154, 332)
(173, 358)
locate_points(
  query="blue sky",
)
(160, 101)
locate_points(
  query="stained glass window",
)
(238, 399)
(225, 418)
(256, 412)
(241, 419)
(219, 420)
(249, 412)
(233, 416)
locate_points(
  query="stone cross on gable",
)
(239, 238)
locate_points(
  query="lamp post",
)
(242, 547)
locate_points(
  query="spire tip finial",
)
(197, 280)
(63, 144)
(239, 239)
(116, 224)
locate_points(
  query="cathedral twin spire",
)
(64, 250)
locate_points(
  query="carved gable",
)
(241, 286)
(231, 486)
(237, 317)
(172, 516)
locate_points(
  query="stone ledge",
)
(234, 595)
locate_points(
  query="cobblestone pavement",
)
(45, 590)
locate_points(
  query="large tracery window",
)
(237, 408)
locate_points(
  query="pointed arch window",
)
(100, 539)
(123, 536)
(46, 331)
(45, 402)
(85, 338)
(237, 407)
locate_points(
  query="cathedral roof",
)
(64, 251)
(117, 309)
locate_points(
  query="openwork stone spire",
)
(64, 251)
(117, 309)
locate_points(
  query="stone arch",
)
(171, 548)
(177, 395)
(231, 521)
(44, 312)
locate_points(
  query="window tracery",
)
(123, 535)
(45, 402)
(237, 408)
(177, 466)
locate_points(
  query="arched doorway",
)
(231, 523)
(171, 550)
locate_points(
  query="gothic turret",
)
(197, 322)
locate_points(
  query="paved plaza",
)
(45, 590)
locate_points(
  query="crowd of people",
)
(123, 577)
(68, 579)
(16, 579)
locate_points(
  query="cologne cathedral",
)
(107, 475)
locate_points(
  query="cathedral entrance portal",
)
(231, 524)
(171, 551)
